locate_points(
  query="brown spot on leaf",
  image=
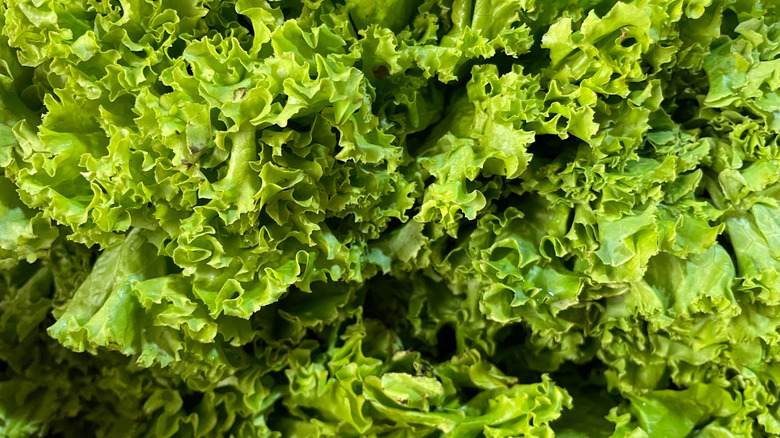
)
(381, 72)
(240, 93)
(623, 32)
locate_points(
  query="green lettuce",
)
(396, 218)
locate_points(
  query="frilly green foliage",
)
(390, 218)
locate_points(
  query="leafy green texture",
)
(392, 218)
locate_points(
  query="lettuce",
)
(389, 218)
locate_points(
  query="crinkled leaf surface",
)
(394, 218)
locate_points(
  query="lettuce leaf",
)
(391, 218)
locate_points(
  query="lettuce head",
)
(390, 218)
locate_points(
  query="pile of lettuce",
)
(390, 218)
